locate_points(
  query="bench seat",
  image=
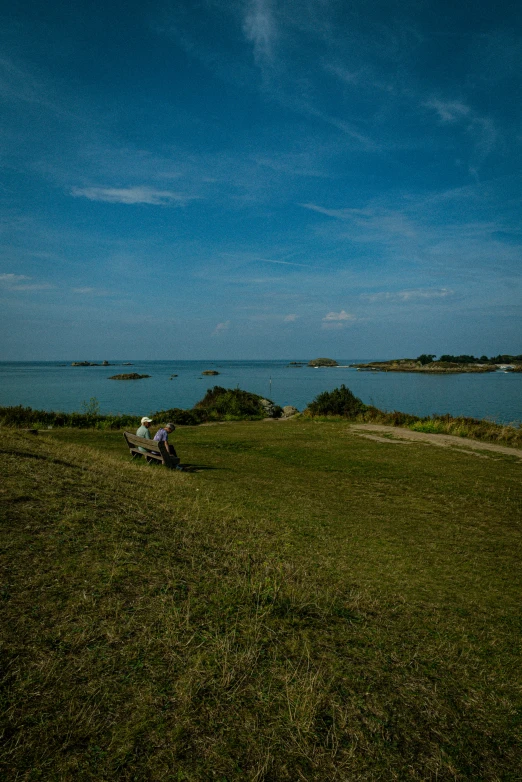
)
(154, 451)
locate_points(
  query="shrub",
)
(425, 358)
(231, 404)
(341, 401)
(25, 416)
(181, 417)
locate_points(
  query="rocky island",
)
(129, 376)
(446, 364)
(323, 362)
(91, 364)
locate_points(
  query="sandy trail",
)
(398, 436)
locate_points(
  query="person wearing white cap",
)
(143, 431)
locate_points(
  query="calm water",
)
(58, 386)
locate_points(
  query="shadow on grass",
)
(198, 467)
(184, 467)
(25, 455)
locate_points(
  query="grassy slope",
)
(315, 606)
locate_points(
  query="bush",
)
(232, 404)
(425, 358)
(340, 401)
(180, 417)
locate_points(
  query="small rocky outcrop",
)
(129, 376)
(93, 364)
(323, 362)
(210, 372)
(289, 410)
(268, 407)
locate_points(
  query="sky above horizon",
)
(258, 179)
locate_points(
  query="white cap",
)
(146, 420)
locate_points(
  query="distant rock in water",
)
(323, 362)
(210, 372)
(129, 376)
(93, 364)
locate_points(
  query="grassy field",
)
(309, 605)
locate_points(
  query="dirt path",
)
(398, 436)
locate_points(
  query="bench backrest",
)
(157, 448)
(144, 442)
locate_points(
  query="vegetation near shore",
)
(311, 605)
(234, 404)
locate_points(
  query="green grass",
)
(311, 606)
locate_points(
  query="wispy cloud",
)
(16, 282)
(338, 316)
(482, 129)
(408, 295)
(332, 325)
(376, 221)
(290, 318)
(221, 328)
(131, 195)
(260, 29)
(448, 111)
(91, 291)
(12, 279)
(283, 263)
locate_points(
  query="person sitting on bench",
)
(143, 430)
(162, 436)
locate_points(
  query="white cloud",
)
(339, 316)
(90, 291)
(16, 282)
(332, 325)
(409, 295)
(131, 195)
(337, 320)
(290, 318)
(260, 29)
(221, 327)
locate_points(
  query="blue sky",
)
(260, 179)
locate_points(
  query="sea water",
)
(59, 386)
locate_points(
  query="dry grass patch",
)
(309, 608)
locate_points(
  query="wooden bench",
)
(155, 451)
